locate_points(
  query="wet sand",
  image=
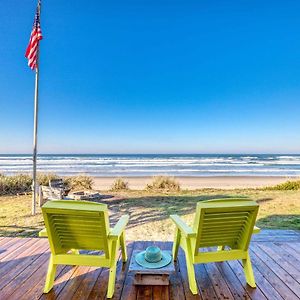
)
(192, 183)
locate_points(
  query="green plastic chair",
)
(218, 223)
(80, 225)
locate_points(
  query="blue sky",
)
(153, 77)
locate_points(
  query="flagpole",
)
(35, 128)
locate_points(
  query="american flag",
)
(35, 37)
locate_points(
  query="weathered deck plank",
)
(18, 265)
(269, 272)
(255, 294)
(279, 271)
(283, 259)
(275, 256)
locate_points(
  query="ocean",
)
(196, 165)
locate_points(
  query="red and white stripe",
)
(35, 37)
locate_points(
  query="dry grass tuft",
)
(164, 184)
(17, 184)
(119, 185)
(44, 178)
(80, 182)
(21, 183)
(293, 185)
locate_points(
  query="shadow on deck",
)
(275, 255)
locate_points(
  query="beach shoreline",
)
(194, 183)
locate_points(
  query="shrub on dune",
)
(80, 182)
(119, 185)
(44, 178)
(17, 184)
(163, 183)
(21, 183)
(286, 186)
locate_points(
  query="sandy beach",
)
(192, 183)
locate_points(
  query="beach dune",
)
(193, 183)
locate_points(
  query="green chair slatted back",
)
(82, 225)
(218, 222)
(76, 225)
(227, 222)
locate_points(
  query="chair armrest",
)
(256, 230)
(181, 225)
(119, 228)
(43, 233)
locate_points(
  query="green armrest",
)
(119, 228)
(43, 233)
(182, 226)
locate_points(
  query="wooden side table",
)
(146, 276)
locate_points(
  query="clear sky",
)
(153, 76)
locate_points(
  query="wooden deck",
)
(275, 256)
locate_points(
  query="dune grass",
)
(149, 211)
(163, 184)
(119, 185)
(21, 183)
(286, 186)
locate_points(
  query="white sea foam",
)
(139, 165)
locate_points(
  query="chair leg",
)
(111, 281)
(123, 247)
(190, 268)
(191, 276)
(249, 271)
(176, 244)
(50, 275)
(112, 270)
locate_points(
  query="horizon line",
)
(164, 153)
